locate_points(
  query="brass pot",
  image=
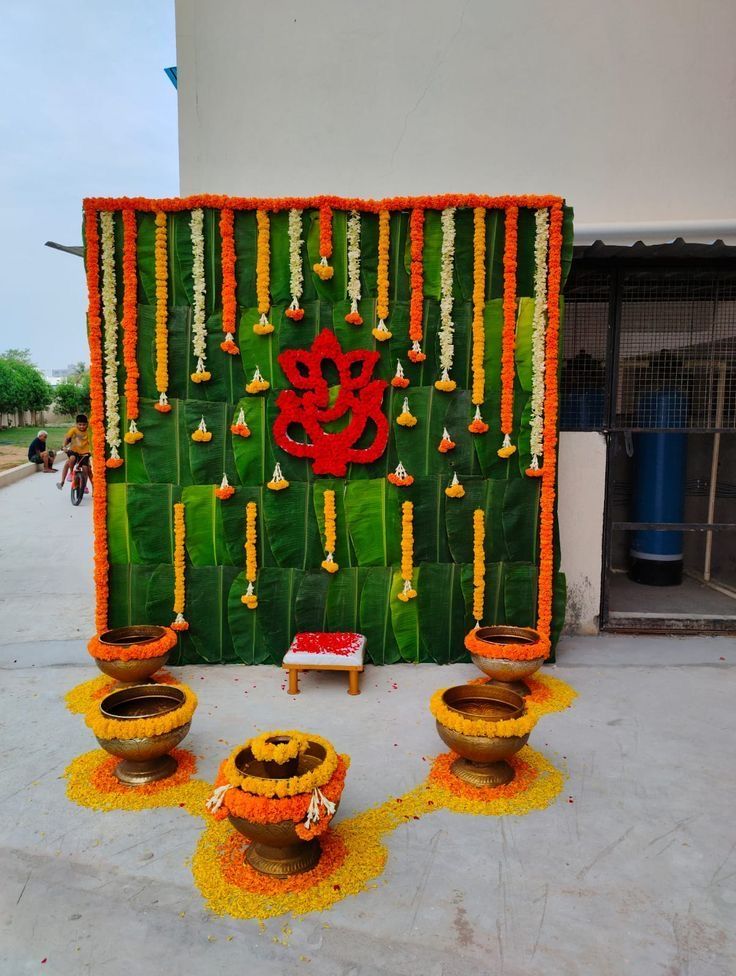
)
(144, 760)
(275, 848)
(507, 672)
(138, 669)
(482, 759)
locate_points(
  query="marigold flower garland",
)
(265, 750)
(97, 418)
(447, 443)
(400, 477)
(303, 783)
(110, 318)
(407, 552)
(263, 273)
(416, 302)
(225, 490)
(479, 304)
(479, 564)
(229, 301)
(132, 652)
(258, 384)
(180, 562)
(541, 241)
(447, 327)
(455, 489)
(406, 418)
(323, 269)
(503, 728)
(278, 482)
(141, 728)
(381, 333)
(353, 244)
(162, 313)
(328, 563)
(240, 428)
(129, 323)
(296, 274)
(509, 331)
(201, 435)
(199, 327)
(249, 598)
(400, 381)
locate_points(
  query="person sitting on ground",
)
(77, 447)
(39, 453)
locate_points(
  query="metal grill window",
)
(588, 296)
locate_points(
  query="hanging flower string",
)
(447, 443)
(509, 331)
(240, 428)
(400, 381)
(416, 303)
(199, 328)
(479, 304)
(400, 477)
(201, 435)
(381, 333)
(296, 273)
(249, 598)
(263, 273)
(541, 244)
(406, 418)
(455, 489)
(323, 269)
(110, 318)
(229, 301)
(278, 482)
(353, 243)
(407, 552)
(97, 416)
(477, 425)
(179, 568)
(162, 313)
(258, 384)
(479, 564)
(129, 324)
(547, 494)
(447, 327)
(328, 563)
(225, 490)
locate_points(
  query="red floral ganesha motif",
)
(359, 399)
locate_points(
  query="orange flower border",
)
(508, 652)
(141, 728)
(324, 204)
(509, 319)
(129, 321)
(479, 304)
(132, 652)
(229, 303)
(416, 302)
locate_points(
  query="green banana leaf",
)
(343, 600)
(207, 592)
(487, 494)
(568, 237)
(291, 524)
(495, 243)
(464, 255)
(245, 238)
(118, 535)
(127, 603)
(212, 260)
(275, 616)
(525, 261)
(369, 255)
(523, 344)
(399, 277)
(146, 253)
(520, 595)
(441, 611)
(181, 259)
(146, 354)
(520, 517)
(205, 535)
(405, 619)
(232, 515)
(311, 602)
(417, 447)
(148, 506)
(251, 454)
(335, 289)
(164, 448)
(430, 533)
(261, 350)
(374, 521)
(493, 605)
(375, 616)
(211, 459)
(432, 256)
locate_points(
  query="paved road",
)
(46, 585)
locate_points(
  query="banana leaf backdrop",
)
(294, 594)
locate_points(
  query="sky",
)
(87, 111)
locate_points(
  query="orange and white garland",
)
(406, 418)
(353, 246)
(201, 435)
(199, 326)
(259, 384)
(447, 327)
(225, 490)
(240, 428)
(162, 313)
(381, 333)
(263, 273)
(407, 552)
(179, 568)
(509, 331)
(416, 302)
(541, 244)
(455, 489)
(328, 563)
(129, 324)
(323, 269)
(110, 319)
(479, 564)
(399, 380)
(229, 300)
(278, 482)
(479, 304)
(296, 273)
(249, 598)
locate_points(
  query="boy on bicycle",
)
(77, 447)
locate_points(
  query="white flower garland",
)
(199, 329)
(447, 268)
(353, 242)
(110, 318)
(296, 280)
(541, 243)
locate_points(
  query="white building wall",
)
(624, 108)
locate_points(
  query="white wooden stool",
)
(326, 652)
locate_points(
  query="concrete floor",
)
(631, 871)
(691, 599)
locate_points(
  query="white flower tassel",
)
(400, 471)
(506, 440)
(539, 321)
(224, 483)
(263, 319)
(447, 268)
(215, 801)
(199, 328)
(296, 274)
(163, 400)
(278, 474)
(318, 800)
(110, 343)
(180, 619)
(202, 426)
(353, 248)
(200, 366)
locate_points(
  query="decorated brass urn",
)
(132, 654)
(506, 654)
(484, 725)
(141, 724)
(281, 791)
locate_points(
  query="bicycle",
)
(80, 479)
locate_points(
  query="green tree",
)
(9, 391)
(18, 356)
(71, 398)
(22, 387)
